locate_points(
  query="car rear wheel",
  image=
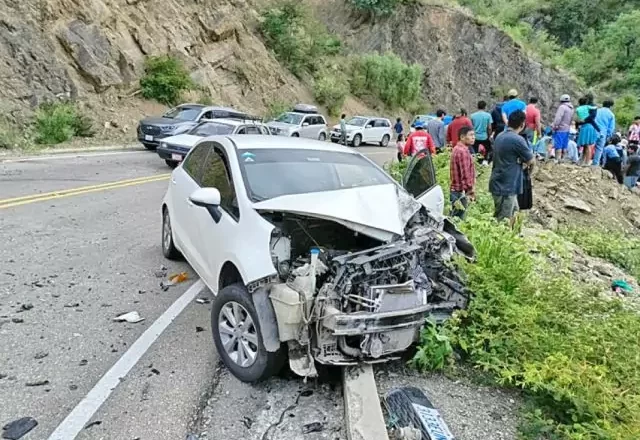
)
(357, 140)
(295, 135)
(169, 249)
(171, 163)
(385, 140)
(237, 336)
(150, 147)
(322, 137)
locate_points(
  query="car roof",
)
(233, 121)
(255, 141)
(304, 113)
(371, 117)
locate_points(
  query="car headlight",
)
(163, 145)
(168, 128)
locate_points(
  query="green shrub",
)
(571, 348)
(165, 79)
(387, 78)
(298, 41)
(626, 109)
(12, 137)
(276, 108)
(59, 122)
(377, 7)
(331, 89)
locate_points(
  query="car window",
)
(216, 174)
(207, 115)
(420, 175)
(381, 123)
(265, 130)
(270, 173)
(369, 123)
(251, 129)
(290, 118)
(321, 120)
(211, 129)
(308, 120)
(193, 163)
(357, 121)
(183, 113)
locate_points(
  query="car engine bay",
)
(342, 297)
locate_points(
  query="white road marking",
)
(71, 156)
(82, 413)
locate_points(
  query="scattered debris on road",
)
(17, 320)
(203, 300)
(409, 407)
(41, 355)
(37, 383)
(173, 280)
(25, 307)
(312, 427)
(83, 362)
(131, 317)
(18, 428)
(199, 329)
(94, 423)
(72, 305)
(161, 273)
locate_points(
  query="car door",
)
(420, 181)
(217, 238)
(368, 131)
(307, 130)
(184, 181)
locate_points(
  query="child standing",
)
(612, 159)
(400, 147)
(462, 173)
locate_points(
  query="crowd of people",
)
(511, 137)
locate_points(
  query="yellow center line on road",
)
(43, 197)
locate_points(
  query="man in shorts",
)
(511, 154)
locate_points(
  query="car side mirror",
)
(208, 198)
(305, 124)
(369, 126)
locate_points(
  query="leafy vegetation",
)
(59, 122)
(331, 89)
(387, 78)
(298, 41)
(276, 108)
(530, 325)
(12, 137)
(165, 79)
(377, 7)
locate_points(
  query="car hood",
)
(348, 126)
(380, 211)
(182, 140)
(162, 121)
(281, 125)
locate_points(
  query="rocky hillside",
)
(93, 51)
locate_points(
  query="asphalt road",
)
(80, 245)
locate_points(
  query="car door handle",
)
(173, 181)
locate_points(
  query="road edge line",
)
(78, 418)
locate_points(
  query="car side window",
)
(420, 175)
(252, 129)
(264, 130)
(370, 123)
(207, 115)
(217, 175)
(379, 123)
(193, 163)
(308, 120)
(242, 130)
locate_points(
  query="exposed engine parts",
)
(345, 298)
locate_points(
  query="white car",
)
(304, 121)
(173, 149)
(311, 251)
(365, 130)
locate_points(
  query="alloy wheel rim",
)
(166, 232)
(238, 334)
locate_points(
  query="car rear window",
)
(183, 113)
(270, 173)
(211, 129)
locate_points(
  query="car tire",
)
(172, 163)
(295, 135)
(357, 141)
(385, 140)
(150, 147)
(169, 249)
(235, 302)
(322, 137)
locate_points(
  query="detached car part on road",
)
(364, 130)
(312, 250)
(178, 120)
(174, 149)
(303, 121)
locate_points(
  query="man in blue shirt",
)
(398, 128)
(481, 121)
(511, 154)
(606, 121)
(512, 105)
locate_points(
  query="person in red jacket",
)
(461, 120)
(419, 140)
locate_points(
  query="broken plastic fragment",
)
(131, 317)
(312, 427)
(18, 428)
(178, 278)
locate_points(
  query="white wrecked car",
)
(312, 250)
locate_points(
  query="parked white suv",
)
(304, 121)
(312, 251)
(365, 130)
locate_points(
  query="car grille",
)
(150, 129)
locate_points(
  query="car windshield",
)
(270, 173)
(211, 129)
(290, 118)
(357, 121)
(183, 113)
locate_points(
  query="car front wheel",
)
(295, 135)
(171, 163)
(169, 249)
(322, 137)
(357, 140)
(385, 140)
(150, 147)
(236, 333)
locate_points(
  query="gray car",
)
(304, 121)
(180, 120)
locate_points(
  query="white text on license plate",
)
(436, 427)
(177, 157)
(148, 137)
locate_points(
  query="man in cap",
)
(562, 126)
(513, 104)
(419, 140)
